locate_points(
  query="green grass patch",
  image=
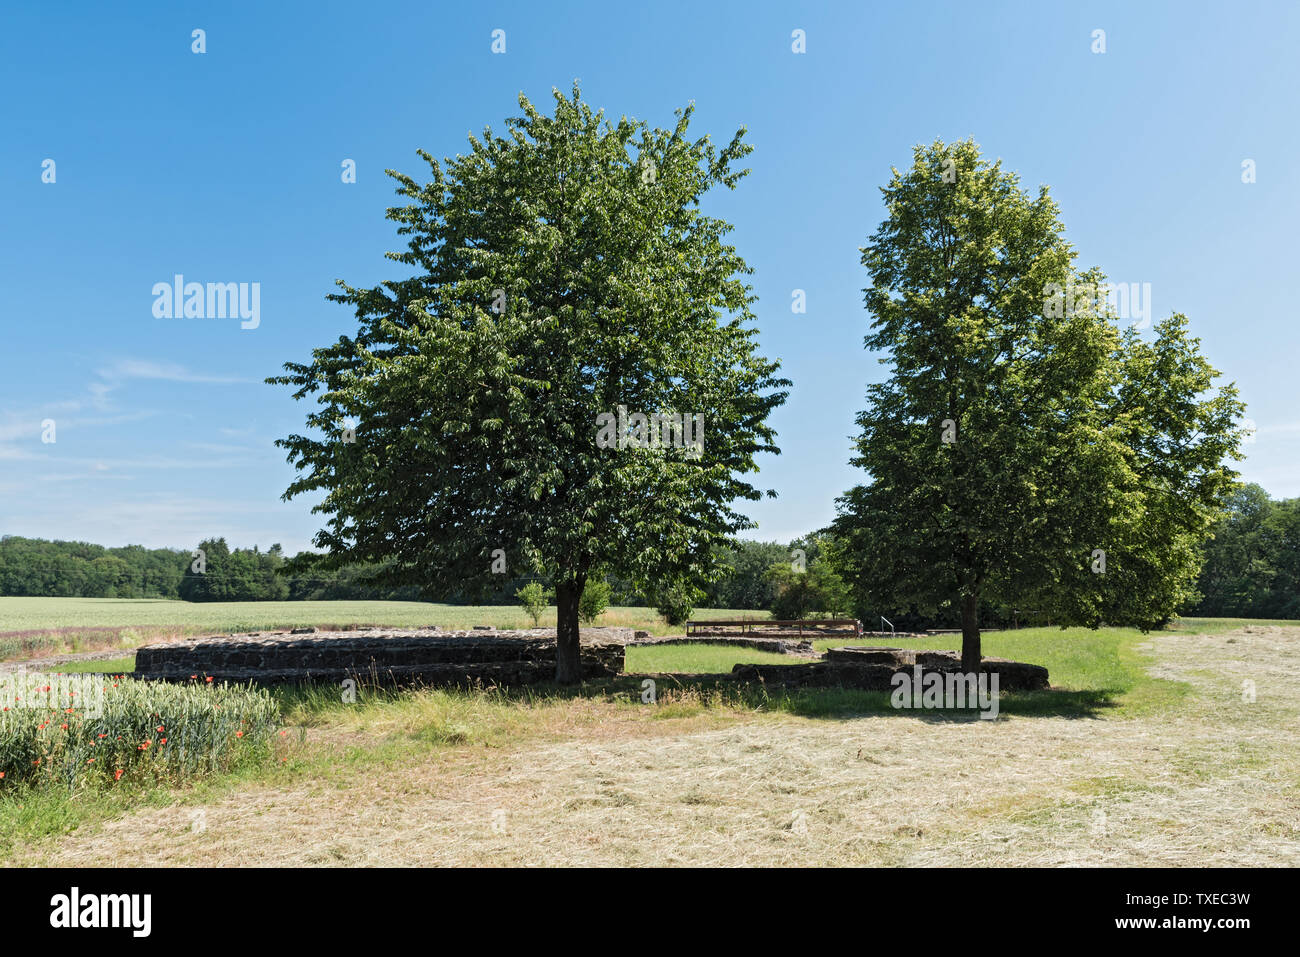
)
(697, 659)
(108, 666)
(1090, 671)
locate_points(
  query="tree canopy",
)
(563, 276)
(1023, 445)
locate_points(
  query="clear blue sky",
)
(225, 167)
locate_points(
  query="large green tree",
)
(1022, 447)
(555, 273)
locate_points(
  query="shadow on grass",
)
(835, 702)
(678, 695)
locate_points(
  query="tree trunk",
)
(568, 651)
(970, 633)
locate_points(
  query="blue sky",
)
(225, 167)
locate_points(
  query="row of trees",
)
(1252, 564)
(1025, 447)
(216, 573)
(36, 567)
(32, 566)
(1250, 569)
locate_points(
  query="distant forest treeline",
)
(1251, 570)
(36, 567)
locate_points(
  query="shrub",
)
(533, 599)
(594, 601)
(676, 605)
(817, 591)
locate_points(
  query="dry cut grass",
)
(1211, 780)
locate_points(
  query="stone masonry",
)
(389, 656)
(873, 669)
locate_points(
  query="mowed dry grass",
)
(1215, 781)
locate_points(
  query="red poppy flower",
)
(239, 734)
(118, 775)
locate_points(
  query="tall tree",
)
(1021, 445)
(559, 272)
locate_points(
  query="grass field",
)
(26, 614)
(1177, 769)
(1146, 752)
(67, 625)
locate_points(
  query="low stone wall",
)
(406, 656)
(873, 669)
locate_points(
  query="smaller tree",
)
(594, 600)
(533, 599)
(676, 605)
(803, 594)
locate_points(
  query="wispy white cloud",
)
(1281, 428)
(120, 371)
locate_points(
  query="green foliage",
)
(676, 604)
(533, 599)
(815, 592)
(239, 575)
(554, 274)
(1068, 434)
(744, 582)
(31, 566)
(1252, 562)
(594, 600)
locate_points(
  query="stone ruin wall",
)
(435, 656)
(389, 656)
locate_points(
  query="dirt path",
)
(1216, 783)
